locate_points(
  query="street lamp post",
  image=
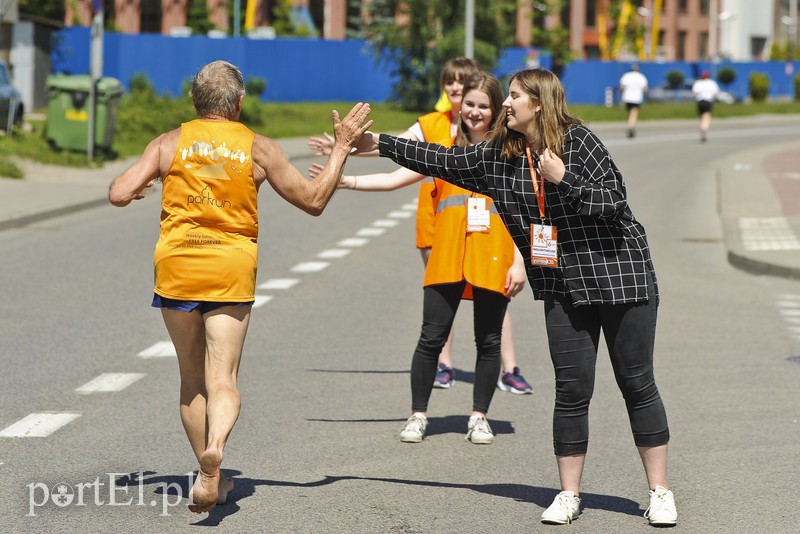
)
(648, 31)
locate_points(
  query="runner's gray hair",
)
(216, 89)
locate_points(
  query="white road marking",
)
(767, 233)
(38, 425)
(409, 207)
(162, 349)
(309, 266)
(334, 253)
(353, 242)
(386, 223)
(370, 232)
(400, 214)
(260, 300)
(109, 382)
(279, 283)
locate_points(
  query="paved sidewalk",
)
(759, 201)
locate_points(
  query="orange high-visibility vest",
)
(436, 129)
(482, 259)
(208, 245)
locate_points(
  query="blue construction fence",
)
(315, 70)
(296, 70)
(587, 82)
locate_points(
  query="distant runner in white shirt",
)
(633, 87)
(705, 91)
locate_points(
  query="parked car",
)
(10, 100)
(664, 93)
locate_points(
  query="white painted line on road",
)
(788, 304)
(309, 266)
(162, 349)
(386, 223)
(790, 296)
(109, 382)
(409, 207)
(260, 300)
(767, 233)
(279, 283)
(334, 253)
(38, 425)
(353, 242)
(790, 313)
(370, 232)
(400, 214)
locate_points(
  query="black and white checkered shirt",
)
(603, 255)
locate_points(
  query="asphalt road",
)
(325, 377)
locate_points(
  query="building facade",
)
(647, 30)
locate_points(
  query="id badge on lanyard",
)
(544, 238)
(478, 218)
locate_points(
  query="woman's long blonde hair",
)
(550, 123)
(488, 84)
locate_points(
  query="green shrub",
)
(255, 86)
(9, 169)
(797, 88)
(726, 75)
(675, 79)
(759, 86)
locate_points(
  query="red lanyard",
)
(538, 188)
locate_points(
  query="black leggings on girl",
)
(440, 303)
(573, 333)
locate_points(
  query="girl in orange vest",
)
(471, 256)
(440, 126)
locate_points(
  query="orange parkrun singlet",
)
(436, 129)
(207, 249)
(481, 258)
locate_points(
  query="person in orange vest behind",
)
(440, 126)
(472, 256)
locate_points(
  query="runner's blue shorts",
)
(191, 305)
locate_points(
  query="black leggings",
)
(440, 303)
(573, 333)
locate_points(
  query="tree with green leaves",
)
(49, 9)
(434, 33)
(555, 39)
(197, 17)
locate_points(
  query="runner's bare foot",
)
(205, 490)
(225, 487)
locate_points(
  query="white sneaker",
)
(414, 429)
(661, 511)
(478, 430)
(564, 509)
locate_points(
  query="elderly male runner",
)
(206, 256)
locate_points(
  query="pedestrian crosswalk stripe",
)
(109, 382)
(385, 223)
(38, 425)
(409, 207)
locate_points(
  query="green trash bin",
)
(68, 111)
